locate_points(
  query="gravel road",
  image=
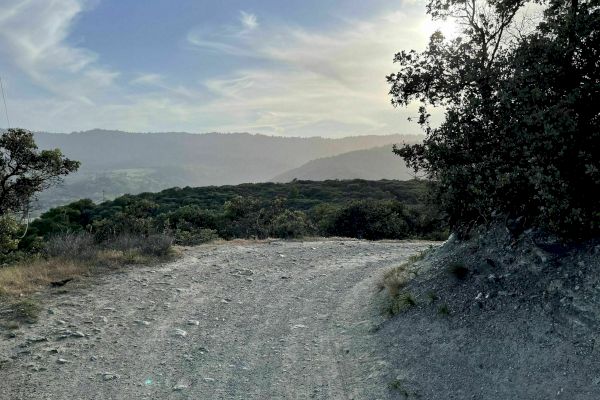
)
(256, 320)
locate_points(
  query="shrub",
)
(153, 245)
(157, 245)
(194, 236)
(77, 246)
(371, 220)
(396, 279)
(290, 224)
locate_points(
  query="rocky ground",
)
(499, 315)
(268, 320)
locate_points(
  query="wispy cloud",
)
(288, 80)
(314, 82)
(34, 32)
(248, 20)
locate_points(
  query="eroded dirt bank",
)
(272, 320)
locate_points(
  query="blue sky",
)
(295, 68)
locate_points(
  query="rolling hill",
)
(371, 164)
(115, 162)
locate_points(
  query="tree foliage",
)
(25, 171)
(522, 123)
(389, 210)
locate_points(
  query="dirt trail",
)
(277, 320)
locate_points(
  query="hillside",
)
(370, 164)
(386, 209)
(300, 195)
(115, 163)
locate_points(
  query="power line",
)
(4, 98)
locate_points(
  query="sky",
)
(290, 68)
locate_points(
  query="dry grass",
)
(402, 303)
(396, 279)
(31, 276)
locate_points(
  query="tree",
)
(25, 171)
(522, 113)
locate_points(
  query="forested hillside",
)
(114, 163)
(376, 163)
(355, 208)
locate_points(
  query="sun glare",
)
(448, 27)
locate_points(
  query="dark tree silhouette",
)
(25, 171)
(522, 124)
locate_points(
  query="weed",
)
(399, 386)
(432, 297)
(402, 303)
(444, 310)
(417, 257)
(396, 279)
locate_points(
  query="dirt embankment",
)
(278, 320)
(499, 316)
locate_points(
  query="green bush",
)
(388, 210)
(371, 220)
(521, 132)
(9, 231)
(194, 236)
(291, 224)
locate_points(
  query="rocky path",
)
(268, 320)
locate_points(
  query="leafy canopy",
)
(25, 171)
(522, 112)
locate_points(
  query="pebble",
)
(36, 368)
(193, 322)
(108, 376)
(67, 334)
(180, 333)
(36, 339)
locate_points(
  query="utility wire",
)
(4, 98)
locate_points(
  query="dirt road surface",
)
(260, 320)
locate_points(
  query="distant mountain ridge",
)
(115, 162)
(370, 164)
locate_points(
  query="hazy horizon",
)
(272, 135)
(297, 69)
